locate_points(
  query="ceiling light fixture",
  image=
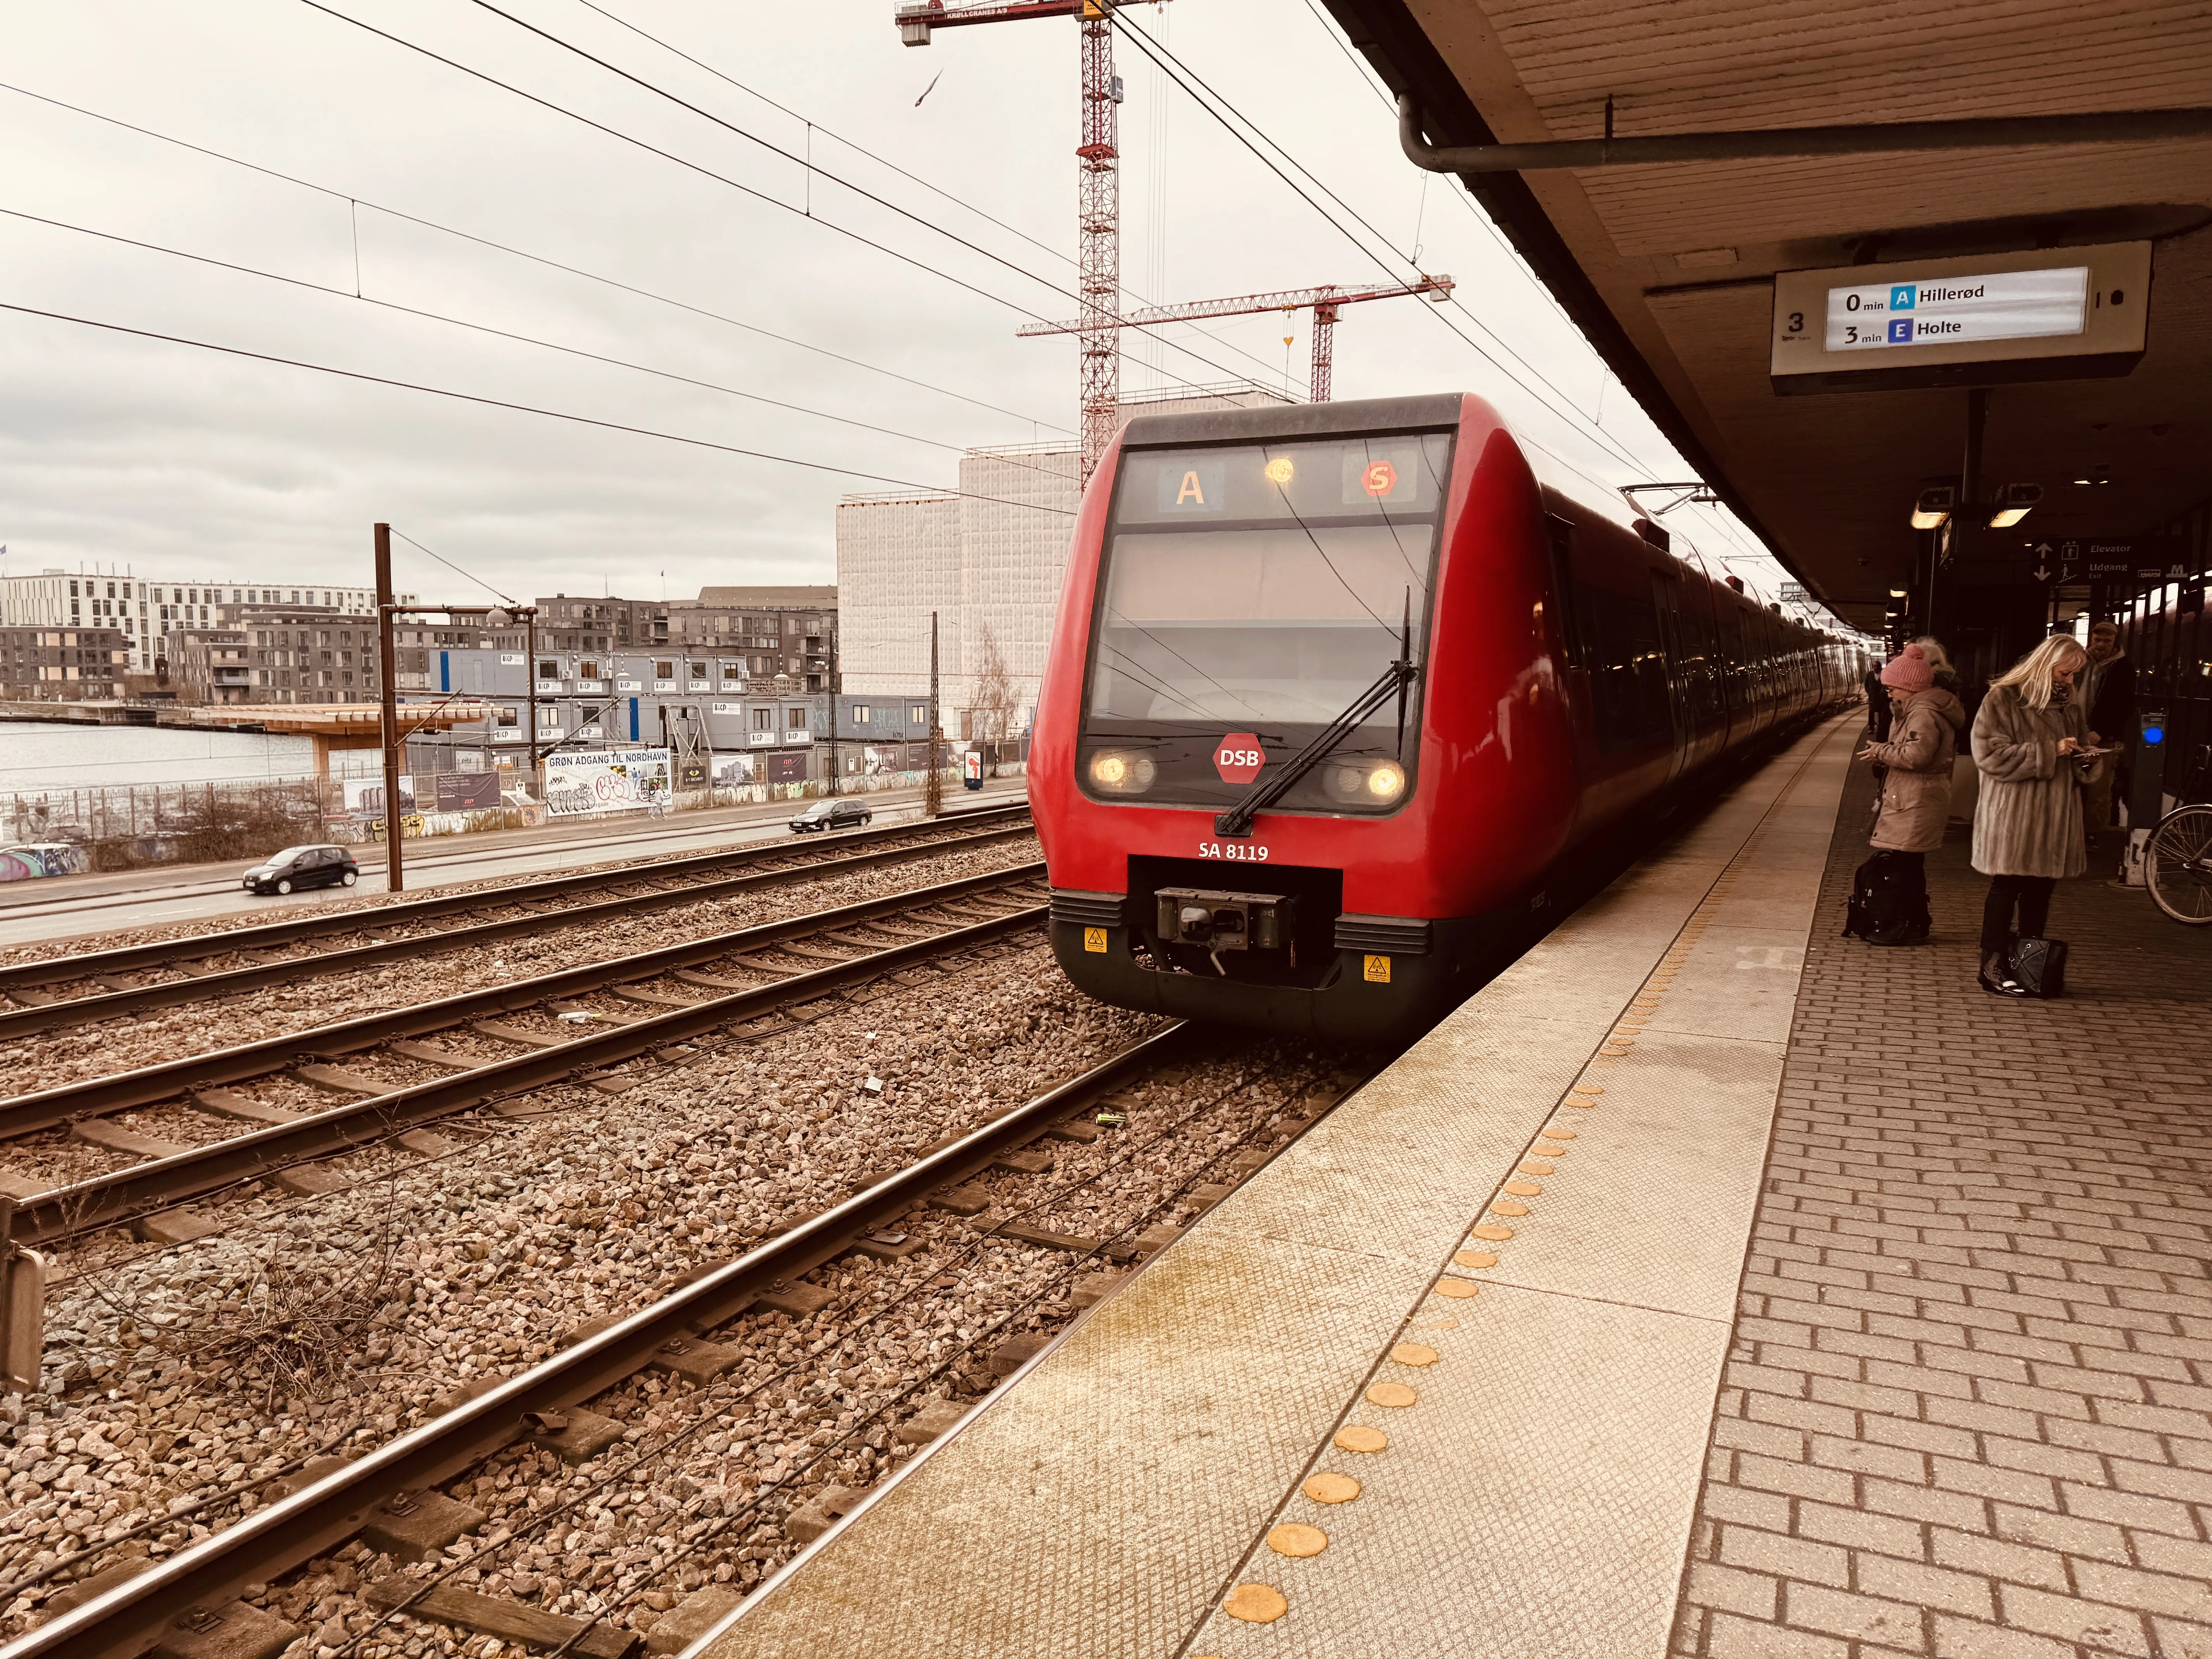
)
(1934, 506)
(2014, 502)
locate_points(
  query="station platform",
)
(1707, 1284)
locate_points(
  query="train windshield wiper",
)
(1396, 679)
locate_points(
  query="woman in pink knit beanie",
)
(1916, 799)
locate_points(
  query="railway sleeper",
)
(508, 1620)
(651, 998)
(579, 1012)
(229, 1102)
(416, 1526)
(516, 1034)
(435, 1053)
(233, 1630)
(101, 1132)
(340, 1081)
(709, 981)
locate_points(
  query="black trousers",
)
(2029, 894)
(1911, 874)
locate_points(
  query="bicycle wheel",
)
(2178, 865)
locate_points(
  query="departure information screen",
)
(2005, 305)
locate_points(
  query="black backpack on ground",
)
(1884, 909)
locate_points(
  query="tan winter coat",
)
(2029, 821)
(1915, 797)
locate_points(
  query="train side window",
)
(1559, 539)
(1628, 669)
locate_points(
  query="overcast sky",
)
(175, 461)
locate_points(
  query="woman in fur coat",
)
(2029, 738)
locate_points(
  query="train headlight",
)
(1374, 784)
(1118, 772)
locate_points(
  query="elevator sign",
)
(2046, 313)
(2005, 305)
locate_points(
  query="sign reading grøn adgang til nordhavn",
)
(2046, 313)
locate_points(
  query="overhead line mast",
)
(1324, 303)
(1099, 211)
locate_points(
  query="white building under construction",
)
(987, 561)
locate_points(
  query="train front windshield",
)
(1256, 592)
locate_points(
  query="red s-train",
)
(1335, 691)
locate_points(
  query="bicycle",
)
(2178, 865)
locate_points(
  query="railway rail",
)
(193, 1589)
(624, 894)
(824, 953)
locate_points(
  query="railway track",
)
(389, 1490)
(36, 1003)
(577, 1024)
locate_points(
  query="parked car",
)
(830, 815)
(303, 867)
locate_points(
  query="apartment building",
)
(145, 611)
(60, 664)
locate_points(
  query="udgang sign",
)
(606, 780)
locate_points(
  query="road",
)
(74, 906)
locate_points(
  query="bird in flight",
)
(931, 88)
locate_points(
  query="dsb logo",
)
(1238, 757)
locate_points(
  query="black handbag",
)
(2038, 966)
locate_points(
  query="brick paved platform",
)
(1968, 1410)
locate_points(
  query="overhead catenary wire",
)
(499, 333)
(523, 253)
(813, 126)
(526, 408)
(1157, 274)
(758, 195)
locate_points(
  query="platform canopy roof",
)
(1669, 267)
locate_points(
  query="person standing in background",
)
(2108, 692)
(1879, 714)
(2028, 738)
(1941, 675)
(1878, 710)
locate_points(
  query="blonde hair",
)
(1939, 659)
(2031, 675)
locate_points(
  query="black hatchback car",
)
(303, 867)
(830, 815)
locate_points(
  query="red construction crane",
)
(1098, 213)
(1325, 303)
